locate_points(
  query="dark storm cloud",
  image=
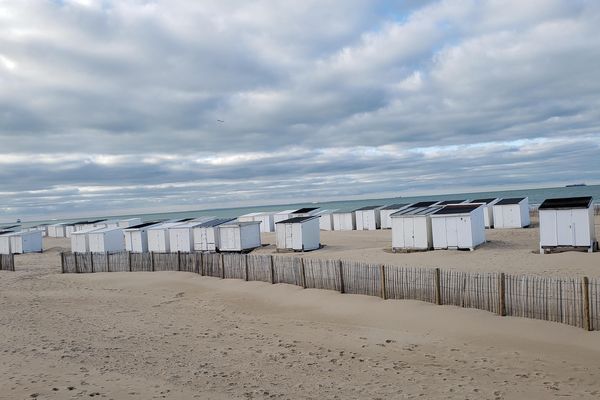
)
(118, 102)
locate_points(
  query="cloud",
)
(119, 102)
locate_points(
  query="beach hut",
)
(458, 226)
(181, 236)
(267, 221)
(282, 215)
(385, 212)
(105, 240)
(158, 236)
(368, 218)
(325, 219)
(239, 236)
(411, 228)
(344, 220)
(511, 213)
(5, 242)
(248, 217)
(136, 237)
(488, 210)
(129, 222)
(567, 223)
(305, 212)
(206, 235)
(298, 233)
(56, 230)
(25, 242)
(80, 240)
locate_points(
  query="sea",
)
(536, 197)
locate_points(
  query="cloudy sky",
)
(116, 105)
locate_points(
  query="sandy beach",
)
(179, 335)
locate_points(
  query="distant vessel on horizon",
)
(576, 185)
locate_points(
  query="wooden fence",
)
(572, 301)
(7, 262)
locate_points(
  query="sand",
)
(178, 335)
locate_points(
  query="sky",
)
(125, 106)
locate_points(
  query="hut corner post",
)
(438, 286)
(382, 279)
(341, 273)
(502, 295)
(585, 298)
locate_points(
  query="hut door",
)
(452, 232)
(564, 225)
(409, 232)
(289, 236)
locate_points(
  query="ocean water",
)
(536, 196)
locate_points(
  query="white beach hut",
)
(239, 236)
(105, 240)
(25, 242)
(511, 213)
(5, 247)
(206, 235)
(325, 219)
(248, 217)
(136, 237)
(267, 221)
(181, 236)
(488, 210)
(344, 220)
(298, 233)
(411, 228)
(158, 236)
(129, 222)
(56, 231)
(458, 226)
(368, 218)
(282, 215)
(385, 212)
(80, 240)
(567, 223)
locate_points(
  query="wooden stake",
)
(107, 261)
(152, 261)
(222, 267)
(129, 260)
(302, 273)
(272, 271)
(62, 262)
(382, 278)
(178, 260)
(341, 273)
(76, 269)
(438, 287)
(502, 295)
(246, 265)
(92, 262)
(585, 288)
(201, 269)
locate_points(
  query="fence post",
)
(302, 273)
(178, 260)
(502, 295)
(341, 272)
(222, 266)
(152, 261)
(62, 262)
(382, 278)
(246, 265)
(272, 271)
(129, 260)
(92, 261)
(585, 288)
(107, 261)
(76, 267)
(438, 287)
(12, 262)
(201, 269)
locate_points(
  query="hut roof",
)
(512, 200)
(485, 201)
(296, 220)
(457, 209)
(566, 203)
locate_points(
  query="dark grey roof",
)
(305, 210)
(215, 222)
(485, 201)
(394, 206)
(424, 204)
(513, 200)
(139, 226)
(446, 202)
(457, 209)
(367, 208)
(297, 219)
(7, 227)
(566, 202)
(416, 211)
